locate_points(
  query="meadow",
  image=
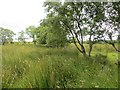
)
(30, 66)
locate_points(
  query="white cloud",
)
(19, 14)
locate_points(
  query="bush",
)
(56, 41)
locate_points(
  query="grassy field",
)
(29, 66)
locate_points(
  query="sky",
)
(17, 15)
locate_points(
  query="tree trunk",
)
(3, 43)
(115, 47)
(85, 55)
(90, 49)
(24, 42)
(111, 43)
(82, 50)
(34, 42)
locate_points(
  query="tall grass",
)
(28, 66)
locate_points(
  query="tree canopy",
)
(51, 33)
(6, 35)
(31, 31)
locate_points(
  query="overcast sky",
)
(19, 14)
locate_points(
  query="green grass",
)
(29, 66)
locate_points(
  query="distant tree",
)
(31, 31)
(6, 35)
(22, 37)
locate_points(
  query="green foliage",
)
(42, 39)
(41, 34)
(56, 40)
(6, 35)
(31, 31)
(21, 37)
(51, 33)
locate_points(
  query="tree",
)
(31, 31)
(91, 20)
(21, 37)
(6, 35)
(57, 36)
(75, 17)
(51, 32)
(82, 19)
